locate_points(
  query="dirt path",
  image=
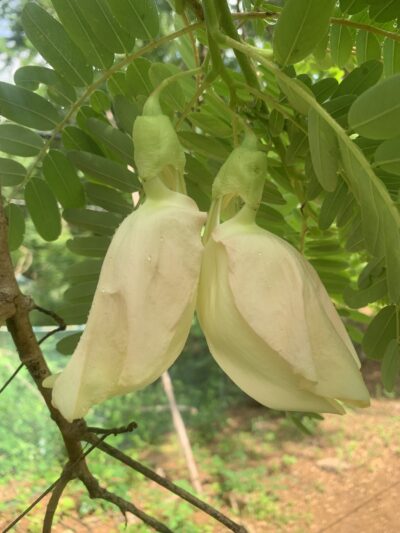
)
(354, 462)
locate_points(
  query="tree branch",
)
(51, 509)
(96, 491)
(150, 474)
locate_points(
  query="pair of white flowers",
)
(267, 318)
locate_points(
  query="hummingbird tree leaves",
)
(326, 111)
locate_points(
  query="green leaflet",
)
(109, 199)
(368, 46)
(137, 77)
(380, 219)
(361, 298)
(276, 123)
(59, 90)
(125, 112)
(204, 145)
(53, 43)
(89, 246)
(380, 332)
(67, 344)
(384, 10)
(341, 44)
(16, 226)
(76, 139)
(331, 206)
(100, 101)
(172, 97)
(99, 222)
(338, 108)
(42, 206)
(301, 25)
(27, 108)
(298, 147)
(360, 79)
(353, 6)
(376, 112)
(391, 57)
(138, 17)
(87, 270)
(11, 172)
(74, 313)
(81, 292)
(387, 156)
(119, 144)
(324, 89)
(324, 150)
(17, 140)
(105, 171)
(105, 25)
(63, 180)
(211, 124)
(81, 32)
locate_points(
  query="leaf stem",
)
(230, 29)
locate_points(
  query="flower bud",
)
(270, 324)
(158, 152)
(143, 306)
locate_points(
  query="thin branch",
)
(96, 491)
(52, 505)
(61, 327)
(113, 431)
(9, 380)
(366, 27)
(70, 467)
(150, 474)
(57, 319)
(334, 20)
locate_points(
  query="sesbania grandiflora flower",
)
(145, 298)
(267, 318)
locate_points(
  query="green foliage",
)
(332, 138)
(302, 24)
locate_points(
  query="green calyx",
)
(243, 173)
(158, 152)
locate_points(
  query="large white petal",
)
(248, 360)
(142, 309)
(271, 325)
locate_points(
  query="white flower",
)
(143, 306)
(270, 324)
